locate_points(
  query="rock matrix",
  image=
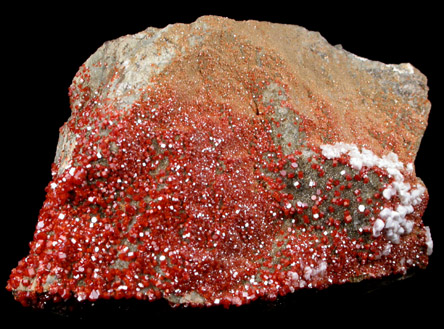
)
(223, 161)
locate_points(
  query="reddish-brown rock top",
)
(223, 161)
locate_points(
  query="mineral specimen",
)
(224, 161)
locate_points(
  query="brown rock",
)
(221, 161)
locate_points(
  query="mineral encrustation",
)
(224, 161)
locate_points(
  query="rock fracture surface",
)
(223, 161)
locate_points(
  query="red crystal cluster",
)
(197, 203)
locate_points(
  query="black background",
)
(42, 49)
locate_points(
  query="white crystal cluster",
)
(392, 222)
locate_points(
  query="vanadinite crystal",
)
(221, 161)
